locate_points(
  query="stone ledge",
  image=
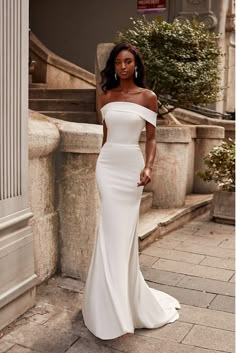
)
(64, 65)
(80, 137)
(199, 119)
(171, 134)
(43, 137)
(159, 222)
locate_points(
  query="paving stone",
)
(86, 346)
(228, 264)
(40, 313)
(209, 317)
(20, 349)
(159, 276)
(146, 260)
(232, 279)
(140, 344)
(165, 243)
(62, 298)
(223, 303)
(206, 250)
(41, 338)
(68, 283)
(195, 270)
(70, 321)
(5, 345)
(186, 296)
(207, 285)
(228, 243)
(211, 338)
(173, 255)
(173, 332)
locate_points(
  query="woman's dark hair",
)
(108, 74)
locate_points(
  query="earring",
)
(115, 76)
(136, 72)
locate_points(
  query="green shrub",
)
(220, 166)
(181, 60)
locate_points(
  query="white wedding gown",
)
(117, 299)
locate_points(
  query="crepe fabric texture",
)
(117, 299)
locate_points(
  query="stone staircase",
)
(154, 222)
(75, 105)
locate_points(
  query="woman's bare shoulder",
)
(150, 98)
(105, 97)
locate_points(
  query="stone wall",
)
(63, 191)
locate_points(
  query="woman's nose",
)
(123, 65)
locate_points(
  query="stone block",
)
(207, 285)
(146, 260)
(228, 264)
(209, 317)
(210, 338)
(173, 332)
(163, 277)
(173, 254)
(223, 303)
(5, 345)
(186, 296)
(206, 250)
(140, 344)
(195, 270)
(45, 341)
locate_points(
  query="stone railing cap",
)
(43, 136)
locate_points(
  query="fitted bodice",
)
(125, 121)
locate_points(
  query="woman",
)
(117, 299)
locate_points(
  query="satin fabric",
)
(117, 299)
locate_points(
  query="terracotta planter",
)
(223, 207)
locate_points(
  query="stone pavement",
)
(195, 264)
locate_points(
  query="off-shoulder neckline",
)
(136, 104)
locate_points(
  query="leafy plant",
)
(220, 166)
(181, 60)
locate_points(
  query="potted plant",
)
(220, 168)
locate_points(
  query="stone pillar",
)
(170, 167)
(43, 140)
(17, 277)
(207, 138)
(78, 196)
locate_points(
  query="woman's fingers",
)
(144, 180)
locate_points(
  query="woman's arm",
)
(102, 102)
(150, 148)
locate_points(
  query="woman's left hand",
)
(145, 176)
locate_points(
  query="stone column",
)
(78, 196)
(207, 138)
(17, 277)
(170, 167)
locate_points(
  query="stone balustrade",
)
(63, 190)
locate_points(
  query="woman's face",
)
(125, 65)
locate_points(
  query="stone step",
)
(61, 105)
(146, 202)
(74, 117)
(84, 95)
(37, 85)
(157, 222)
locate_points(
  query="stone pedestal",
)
(78, 196)
(223, 207)
(170, 167)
